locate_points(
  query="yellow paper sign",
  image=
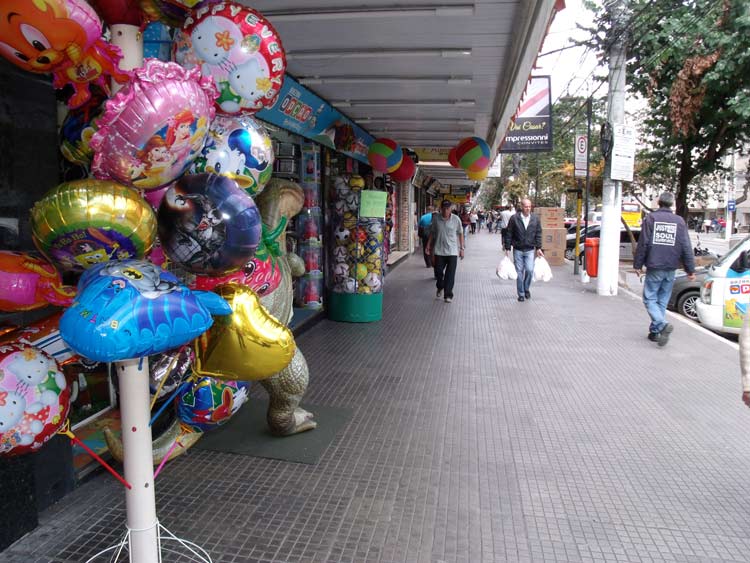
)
(372, 203)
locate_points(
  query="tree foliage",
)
(690, 59)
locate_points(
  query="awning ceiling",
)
(423, 72)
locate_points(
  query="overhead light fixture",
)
(307, 15)
(316, 80)
(379, 54)
(403, 103)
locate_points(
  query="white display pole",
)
(138, 460)
(130, 41)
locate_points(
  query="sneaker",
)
(448, 299)
(528, 295)
(663, 337)
(439, 294)
(521, 298)
(653, 336)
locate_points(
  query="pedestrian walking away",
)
(664, 245)
(524, 234)
(473, 218)
(423, 229)
(503, 220)
(446, 242)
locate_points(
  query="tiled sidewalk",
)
(485, 430)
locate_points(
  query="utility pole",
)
(609, 243)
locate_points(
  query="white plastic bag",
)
(542, 271)
(506, 270)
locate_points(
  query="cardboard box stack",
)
(553, 234)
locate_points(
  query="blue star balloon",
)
(132, 308)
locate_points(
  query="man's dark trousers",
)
(427, 257)
(445, 272)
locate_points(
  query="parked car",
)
(594, 231)
(724, 293)
(686, 293)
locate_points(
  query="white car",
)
(725, 293)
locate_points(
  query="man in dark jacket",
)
(524, 234)
(664, 245)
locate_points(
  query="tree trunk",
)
(686, 174)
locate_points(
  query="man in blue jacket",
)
(663, 246)
(524, 234)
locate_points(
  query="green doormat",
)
(247, 434)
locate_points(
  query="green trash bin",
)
(355, 307)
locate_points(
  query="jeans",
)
(524, 261)
(445, 272)
(657, 287)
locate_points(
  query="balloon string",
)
(73, 438)
(169, 453)
(164, 379)
(167, 403)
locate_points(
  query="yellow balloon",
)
(250, 344)
(481, 175)
(82, 223)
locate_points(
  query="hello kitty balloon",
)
(239, 49)
(34, 398)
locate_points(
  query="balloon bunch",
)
(473, 155)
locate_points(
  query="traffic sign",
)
(732, 205)
(581, 150)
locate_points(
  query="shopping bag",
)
(506, 270)
(542, 271)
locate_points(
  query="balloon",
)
(132, 309)
(239, 49)
(171, 12)
(207, 225)
(473, 154)
(384, 155)
(250, 345)
(478, 175)
(81, 223)
(27, 283)
(404, 172)
(155, 197)
(168, 370)
(43, 334)
(452, 158)
(238, 148)
(119, 11)
(153, 128)
(261, 275)
(76, 131)
(208, 403)
(62, 37)
(34, 399)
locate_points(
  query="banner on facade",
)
(300, 111)
(531, 129)
(432, 154)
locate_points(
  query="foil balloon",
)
(239, 49)
(172, 12)
(132, 309)
(153, 128)
(167, 371)
(86, 222)
(473, 154)
(34, 399)
(405, 171)
(207, 403)
(207, 225)
(155, 197)
(249, 345)
(27, 282)
(119, 11)
(62, 37)
(43, 334)
(238, 148)
(76, 131)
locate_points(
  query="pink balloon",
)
(154, 197)
(154, 128)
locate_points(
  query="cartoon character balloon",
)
(34, 398)
(62, 37)
(239, 49)
(172, 12)
(207, 225)
(209, 403)
(27, 282)
(238, 148)
(132, 309)
(76, 131)
(86, 222)
(154, 128)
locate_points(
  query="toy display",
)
(153, 128)
(86, 222)
(239, 49)
(208, 225)
(238, 148)
(248, 345)
(28, 282)
(131, 309)
(34, 399)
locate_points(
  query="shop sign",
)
(432, 154)
(531, 129)
(300, 111)
(372, 203)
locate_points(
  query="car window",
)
(731, 256)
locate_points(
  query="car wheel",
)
(569, 254)
(686, 304)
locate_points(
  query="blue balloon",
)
(132, 309)
(208, 402)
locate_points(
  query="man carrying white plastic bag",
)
(524, 234)
(542, 270)
(506, 270)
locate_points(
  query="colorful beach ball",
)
(385, 155)
(473, 154)
(477, 175)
